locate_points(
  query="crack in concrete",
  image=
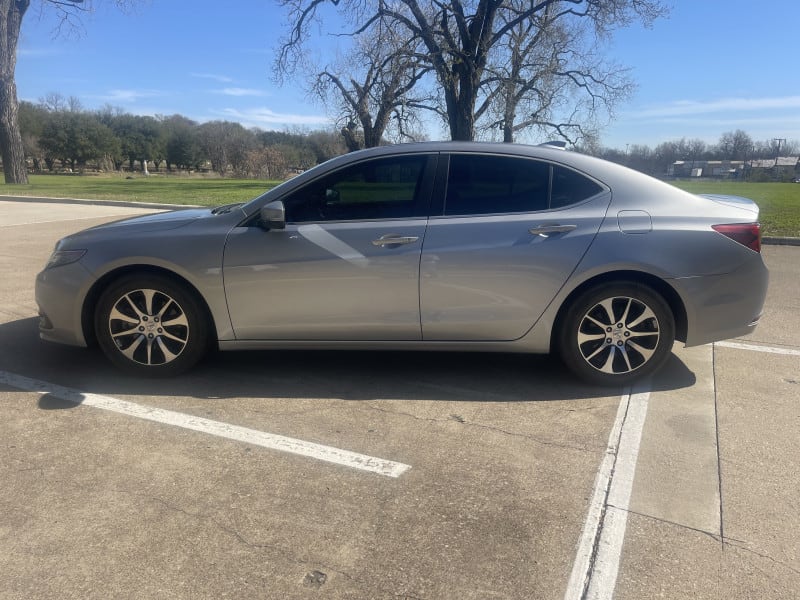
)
(727, 542)
(462, 421)
(325, 568)
(714, 536)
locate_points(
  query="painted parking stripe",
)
(769, 349)
(217, 428)
(594, 572)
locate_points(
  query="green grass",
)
(156, 188)
(779, 202)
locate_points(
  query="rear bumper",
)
(720, 307)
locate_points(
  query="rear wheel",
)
(149, 325)
(615, 333)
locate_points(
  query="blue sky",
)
(712, 66)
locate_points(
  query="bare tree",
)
(735, 145)
(550, 75)
(369, 89)
(459, 35)
(11, 14)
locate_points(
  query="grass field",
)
(156, 188)
(779, 202)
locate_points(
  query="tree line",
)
(58, 133)
(735, 145)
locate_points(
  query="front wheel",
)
(615, 333)
(149, 325)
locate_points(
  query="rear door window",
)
(481, 185)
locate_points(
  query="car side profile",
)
(432, 246)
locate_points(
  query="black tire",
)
(149, 325)
(616, 333)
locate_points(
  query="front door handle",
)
(545, 230)
(392, 239)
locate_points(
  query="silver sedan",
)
(435, 246)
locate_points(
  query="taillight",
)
(747, 234)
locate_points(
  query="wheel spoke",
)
(608, 306)
(131, 304)
(116, 315)
(586, 337)
(624, 316)
(645, 353)
(624, 353)
(180, 320)
(168, 356)
(608, 367)
(133, 347)
(596, 322)
(164, 308)
(647, 314)
(174, 338)
(127, 332)
(598, 351)
(148, 300)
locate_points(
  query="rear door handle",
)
(545, 230)
(392, 239)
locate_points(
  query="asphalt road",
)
(496, 476)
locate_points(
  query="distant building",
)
(718, 169)
(783, 167)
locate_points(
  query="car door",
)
(510, 232)
(346, 267)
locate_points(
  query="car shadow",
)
(345, 375)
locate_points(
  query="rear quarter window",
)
(570, 187)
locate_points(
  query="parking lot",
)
(391, 475)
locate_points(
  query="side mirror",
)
(331, 196)
(273, 216)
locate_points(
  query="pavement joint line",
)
(719, 449)
(756, 348)
(594, 572)
(271, 441)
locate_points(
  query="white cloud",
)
(724, 105)
(215, 77)
(265, 116)
(239, 92)
(127, 96)
(37, 52)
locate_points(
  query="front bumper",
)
(60, 292)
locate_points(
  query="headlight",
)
(59, 258)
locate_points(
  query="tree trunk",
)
(13, 152)
(11, 147)
(462, 118)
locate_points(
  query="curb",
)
(767, 240)
(780, 241)
(122, 203)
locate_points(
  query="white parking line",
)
(216, 428)
(594, 572)
(769, 349)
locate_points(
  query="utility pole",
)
(777, 155)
